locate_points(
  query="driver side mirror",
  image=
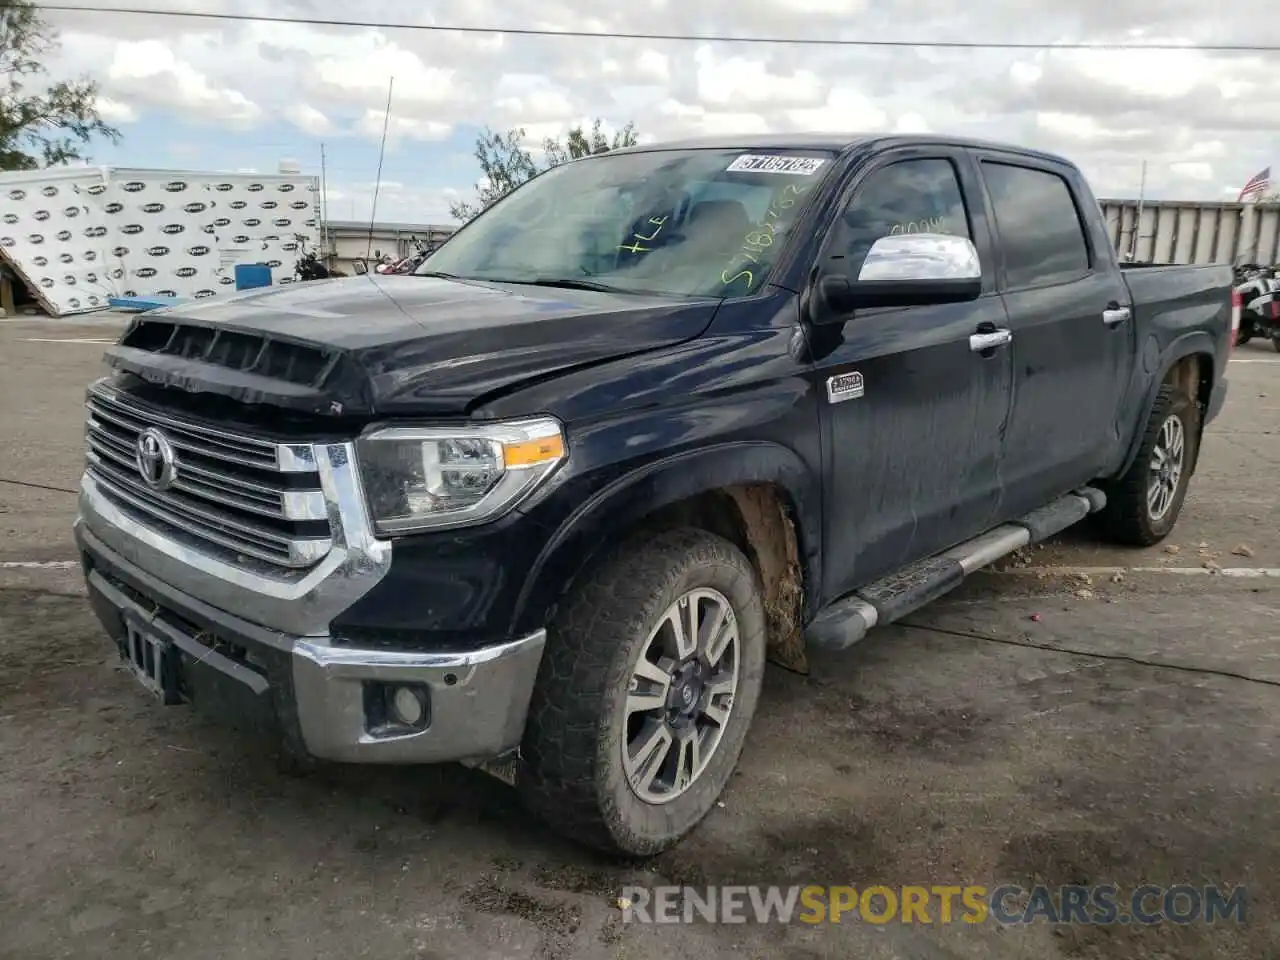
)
(904, 270)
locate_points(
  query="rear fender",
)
(619, 509)
(1189, 344)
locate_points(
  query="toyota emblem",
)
(155, 458)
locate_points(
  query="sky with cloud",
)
(212, 95)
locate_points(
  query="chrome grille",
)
(233, 494)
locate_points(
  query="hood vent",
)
(246, 352)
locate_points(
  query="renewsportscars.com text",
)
(935, 904)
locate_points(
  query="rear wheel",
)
(646, 692)
(1144, 504)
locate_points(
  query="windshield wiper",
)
(438, 274)
(569, 283)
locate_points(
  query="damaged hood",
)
(394, 344)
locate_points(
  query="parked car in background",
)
(547, 505)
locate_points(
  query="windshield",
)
(685, 222)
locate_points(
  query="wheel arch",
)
(759, 496)
(1188, 364)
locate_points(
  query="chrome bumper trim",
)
(478, 700)
(298, 602)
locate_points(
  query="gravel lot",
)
(1034, 727)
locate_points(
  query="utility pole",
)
(324, 207)
(377, 183)
(1137, 225)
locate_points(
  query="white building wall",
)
(78, 236)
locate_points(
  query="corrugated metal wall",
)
(1175, 231)
(348, 240)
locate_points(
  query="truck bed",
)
(1179, 285)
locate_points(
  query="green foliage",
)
(506, 164)
(41, 123)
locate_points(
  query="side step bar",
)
(847, 621)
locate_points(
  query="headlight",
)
(426, 478)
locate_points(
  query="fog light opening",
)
(408, 706)
(396, 709)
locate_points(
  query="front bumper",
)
(320, 697)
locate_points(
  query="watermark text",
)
(936, 904)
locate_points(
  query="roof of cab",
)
(834, 142)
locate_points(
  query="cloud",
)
(148, 71)
(114, 111)
(371, 124)
(729, 81)
(397, 202)
(845, 108)
(1201, 122)
(308, 119)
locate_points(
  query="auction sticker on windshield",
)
(794, 166)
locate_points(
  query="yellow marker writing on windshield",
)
(636, 237)
(659, 221)
(930, 225)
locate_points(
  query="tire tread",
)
(1125, 518)
(558, 767)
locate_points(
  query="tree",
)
(41, 123)
(506, 164)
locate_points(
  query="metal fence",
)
(348, 240)
(1174, 231)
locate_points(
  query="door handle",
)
(981, 342)
(1114, 315)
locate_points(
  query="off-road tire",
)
(1127, 518)
(570, 772)
(1275, 342)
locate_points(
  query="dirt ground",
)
(1034, 727)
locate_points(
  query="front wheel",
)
(1144, 504)
(645, 694)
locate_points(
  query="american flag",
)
(1258, 184)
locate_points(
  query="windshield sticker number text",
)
(790, 166)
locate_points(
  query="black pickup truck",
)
(548, 505)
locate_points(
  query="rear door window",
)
(1041, 236)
